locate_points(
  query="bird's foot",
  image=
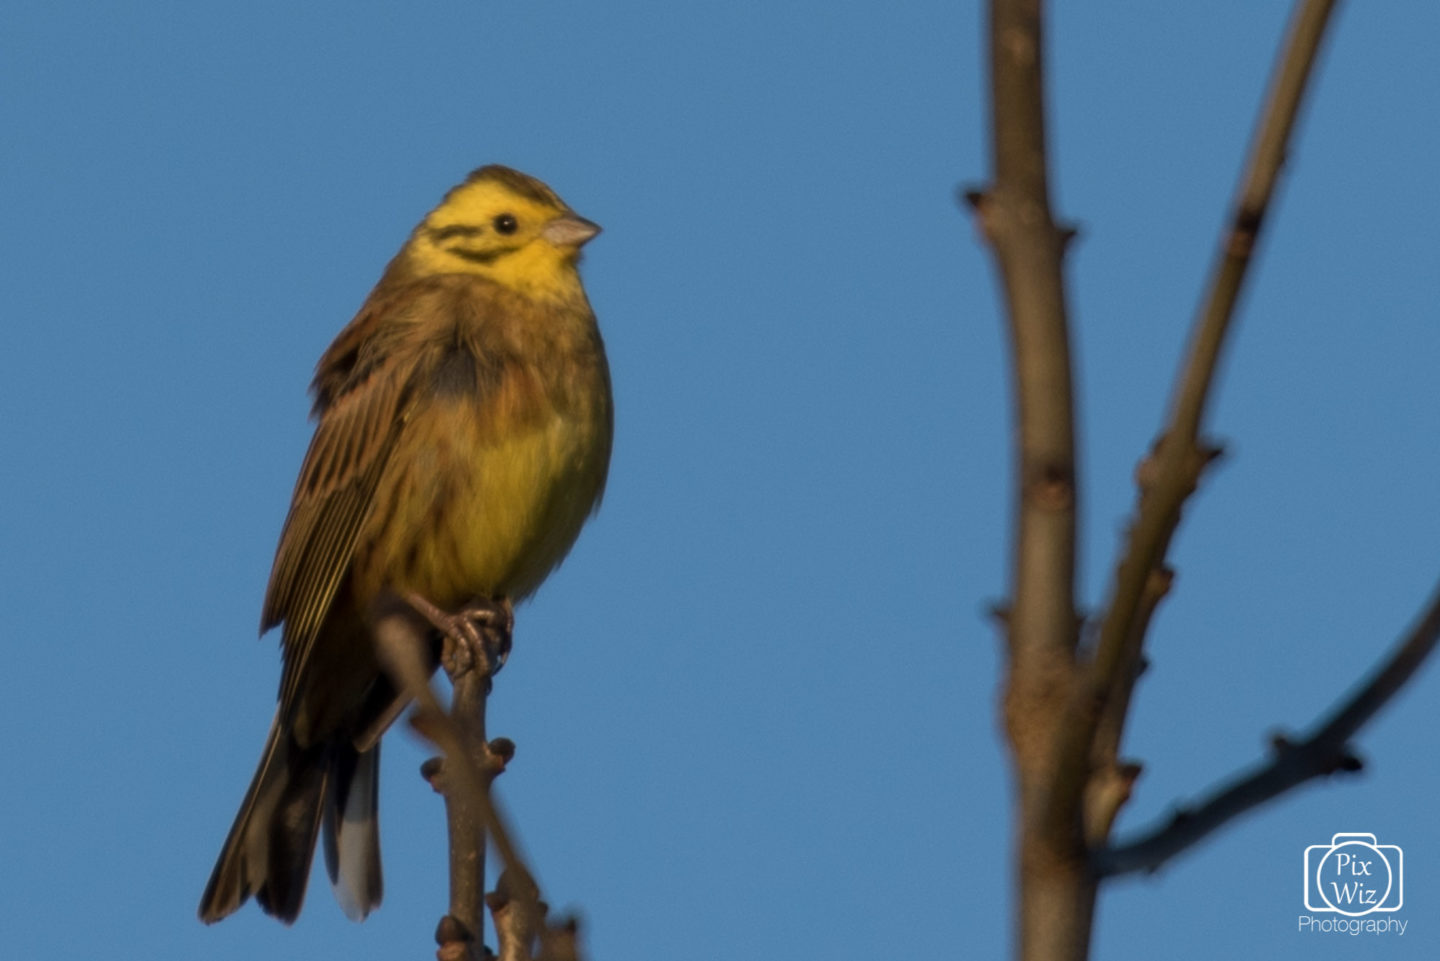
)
(475, 638)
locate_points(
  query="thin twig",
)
(518, 922)
(401, 645)
(1111, 780)
(464, 821)
(1171, 473)
(1324, 751)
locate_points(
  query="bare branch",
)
(465, 776)
(517, 921)
(1042, 628)
(464, 815)
(1015, 216)
(1171, 473)
(1110, 780)
(1324, 751)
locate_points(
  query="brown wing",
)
(362, 394)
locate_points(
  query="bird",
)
(464, 423)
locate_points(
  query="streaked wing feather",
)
(334, 493)
(364, 386)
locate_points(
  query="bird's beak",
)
(569, 230)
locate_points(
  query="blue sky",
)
(756, 709)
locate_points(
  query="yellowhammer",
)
(463, 438)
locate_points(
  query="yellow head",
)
(507, 227)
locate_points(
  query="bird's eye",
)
(506, 224)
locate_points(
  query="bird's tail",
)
(272, 842)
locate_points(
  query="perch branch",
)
(469, 767)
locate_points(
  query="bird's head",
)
(505, 226)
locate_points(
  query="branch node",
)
(1147, 471)
(502, 749)
(1281, 743)
(981, 201)
(1245, 231)
(1160, 581)
(560, 941)
(519, 915)
(1052, 488)
(1348, 762)
(1109, 789)
(456, 941)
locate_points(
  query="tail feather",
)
(351, 830)
(269, 849)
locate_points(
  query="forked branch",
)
(469, 765)
(1065, 711)
(1325, 750)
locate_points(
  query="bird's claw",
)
(475, 638)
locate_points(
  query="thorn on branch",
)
(1180, 817)
(1069, 233)
(1323, 758)
(1149, 472)
(973, 197)
(1198, 458)
(1349, 762)
(981, 205)
(1211, 451)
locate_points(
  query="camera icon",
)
(1354, 876)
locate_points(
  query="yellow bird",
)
(463, 438)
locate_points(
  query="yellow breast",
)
(484, 496)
